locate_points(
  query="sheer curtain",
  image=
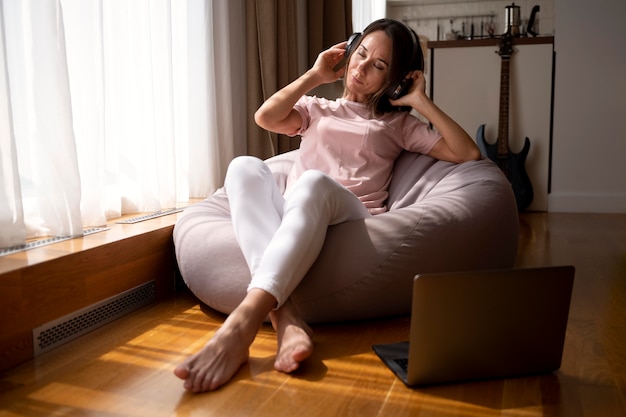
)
(112, 106)
(365, 12)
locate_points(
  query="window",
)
(109, 107)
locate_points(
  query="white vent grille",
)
(149, 216)
(64, 329)
(47, 241)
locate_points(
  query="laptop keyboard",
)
(403, 362)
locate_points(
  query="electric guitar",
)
(513, 165)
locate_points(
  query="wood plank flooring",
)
(125, 368)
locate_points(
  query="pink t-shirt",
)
(343, 139)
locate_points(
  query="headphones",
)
(400, 88)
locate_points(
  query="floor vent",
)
(70, 327)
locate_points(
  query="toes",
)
(182, 371)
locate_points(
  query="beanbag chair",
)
(442, 217)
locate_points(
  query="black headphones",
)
(400, 88)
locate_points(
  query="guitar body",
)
(513, 166)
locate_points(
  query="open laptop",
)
(486, 324)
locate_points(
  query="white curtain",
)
(365, 12)
(110, 107)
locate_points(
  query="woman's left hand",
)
(416, 92)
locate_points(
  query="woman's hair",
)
(406, 56)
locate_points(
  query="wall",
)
(589, 145)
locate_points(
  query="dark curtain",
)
(272, 55)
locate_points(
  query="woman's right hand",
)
(325, 66)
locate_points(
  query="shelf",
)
(461, 43)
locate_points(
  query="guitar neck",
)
(503, 119)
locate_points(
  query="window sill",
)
(42, 284)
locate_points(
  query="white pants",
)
(281, 236)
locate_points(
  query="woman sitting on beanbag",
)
(342, 173)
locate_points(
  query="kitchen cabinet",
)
(465, 83)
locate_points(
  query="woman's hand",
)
(325, 66)
(416, 93)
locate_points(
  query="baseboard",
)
(586, 203)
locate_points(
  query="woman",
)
(342, 173)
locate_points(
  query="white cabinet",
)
(465, 83)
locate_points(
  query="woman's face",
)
(368, 67)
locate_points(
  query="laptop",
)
(482, 325)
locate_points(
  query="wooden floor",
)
(125, 368)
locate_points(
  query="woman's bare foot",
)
(295, 342)
(218, 361)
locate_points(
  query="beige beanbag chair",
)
(442, 217)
